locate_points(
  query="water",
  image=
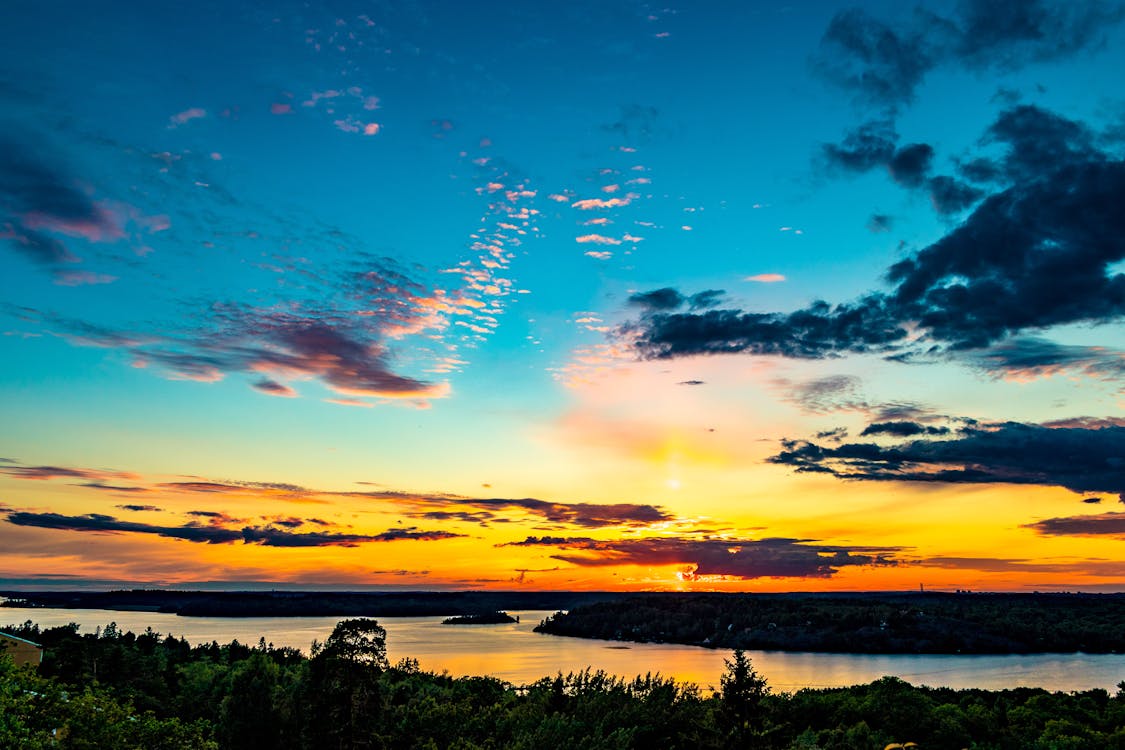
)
(515, 654)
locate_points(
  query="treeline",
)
(308, 603)
(885, 624)
(127, 692)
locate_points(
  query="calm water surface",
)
(516, 654)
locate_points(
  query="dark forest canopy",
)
(126, 691)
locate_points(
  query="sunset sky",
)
(590, 295)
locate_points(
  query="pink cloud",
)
(102, 227)
(599, 254)
(588, 204)
(766, 278)
(279, 108)
(597, 239)
(371, 128)
(186, 116)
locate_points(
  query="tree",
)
(359, 641)
(742, 696)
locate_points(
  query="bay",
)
(512, 652)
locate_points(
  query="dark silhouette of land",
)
(893, 623)
(309, 603)
(484, 618)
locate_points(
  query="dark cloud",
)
(819, 330)
(1034, 255)
(588, 515)
(910, 165)
(265, 536)
(1038, 142)
(837, 434)
(872, 145)
(1105, 524)
(705, 299)
(1092, 500)
(868, 146)
(747, 559)
(1078, 458)
(885, 62)
(658, 299)
(903, 429)
(1031, 256)
(948, 195)
(140, 508)
(881, 63)
(1012, 33)
(879, 223)
(980, 169)
(692, 382)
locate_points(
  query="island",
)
(870, 623)
(483, 618)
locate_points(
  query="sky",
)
(732, 296)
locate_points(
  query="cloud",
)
(346, 352)
(589, 204)
(1027, 358)
(872, 145)
(22, 471)
(869, 145)
(884, 63)
(37, 197)
(1080, 459)
(432, 506)
(658, 299)
(140, 508)
(1105, 524)
(1036, 254)
(880, 223)
(597, 239)
(265, 536)
(910, 165)
(736, 558)
(588, 515)
(766, 278)
(274, 388)
(903, 429)
(194, 113)
(949, 195)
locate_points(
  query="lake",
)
(516, 654)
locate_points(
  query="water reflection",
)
(514, 653)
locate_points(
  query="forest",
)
(113, 689)
(933, 623)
